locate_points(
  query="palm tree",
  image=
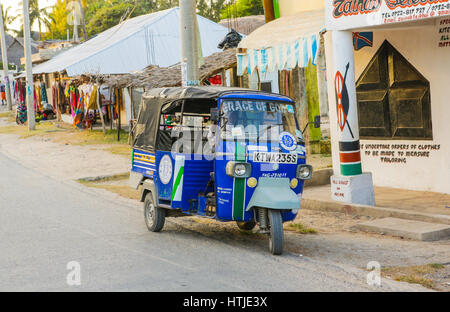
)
(7, 19)
(41, 15)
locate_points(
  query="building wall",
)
(290, 7)
(419, 45)
(271, 77)
(15, 53)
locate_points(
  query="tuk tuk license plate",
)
(279, 158)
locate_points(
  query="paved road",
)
(45, 224)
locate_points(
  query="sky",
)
(16, 8)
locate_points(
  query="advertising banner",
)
(351, 14)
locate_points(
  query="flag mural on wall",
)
(362, 39)
(346, 107)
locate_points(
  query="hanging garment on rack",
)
(43, 93)
(78, 118)
(92, 104)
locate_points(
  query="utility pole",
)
(28, 67)
(83, 22)
(75, 24)
(269, 11)
(5, 63)
(189, 43)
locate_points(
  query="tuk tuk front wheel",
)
(276, 240)
(246, 226)
(155, 217)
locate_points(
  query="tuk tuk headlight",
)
(304, 172)
(239, 169)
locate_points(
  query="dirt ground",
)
(61, 156)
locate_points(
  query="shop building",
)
(382, 74)
(397, 58)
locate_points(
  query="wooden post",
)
(130, 91)
(58, 95)
(99, 98)
(269, 11)
(302, 101)
(119, 101)
(323, 90)
(111, 90)
(224, 78)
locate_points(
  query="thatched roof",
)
(244, 25)
(158, 77)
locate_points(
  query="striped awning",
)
(284, 43)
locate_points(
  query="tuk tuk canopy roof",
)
(153, 100)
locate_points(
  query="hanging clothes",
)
(43, 89)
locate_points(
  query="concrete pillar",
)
(351, 186)
(189, 43)
(347, 110)
(31, 116)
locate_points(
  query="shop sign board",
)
(351, 14)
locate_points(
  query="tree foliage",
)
(7, 17)
(101, 15)
(242, 8)
(211, 9)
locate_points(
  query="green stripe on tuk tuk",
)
(239, 184)
(177, 182)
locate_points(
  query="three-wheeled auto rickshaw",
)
(229, 154)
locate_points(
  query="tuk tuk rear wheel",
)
(276, 240)
(246, 226)
(155, 217)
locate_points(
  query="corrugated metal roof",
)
(152, 39)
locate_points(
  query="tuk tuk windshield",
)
(257, 120)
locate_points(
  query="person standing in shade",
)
(3, 93)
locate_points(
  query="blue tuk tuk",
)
(230, 154)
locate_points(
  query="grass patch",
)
(63, 133)
(6, 114)
(417, 274)
(87, 137)
(66, 133)
(91, 137)
(41, 129)
(119, 149)
(299, 228)
(122, 190)
(115, 177)
(413, 279)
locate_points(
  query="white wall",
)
(420, 47)
(271, 77)
(290, 7)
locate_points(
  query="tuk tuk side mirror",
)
(215, 114)
(317, 122)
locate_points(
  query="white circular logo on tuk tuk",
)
(165, 169)
(288, 141)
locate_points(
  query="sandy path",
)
(61, 161)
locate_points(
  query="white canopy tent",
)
(152, 39)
